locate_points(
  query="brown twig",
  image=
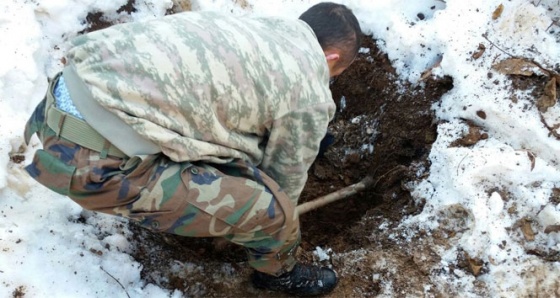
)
(116, 281)
(459, 165)
(550, 129)
(485, 35)
(551, 24)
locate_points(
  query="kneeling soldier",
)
(200, 125)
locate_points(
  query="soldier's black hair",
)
(335, 27)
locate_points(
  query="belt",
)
(76, 130)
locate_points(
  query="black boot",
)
(303, 280)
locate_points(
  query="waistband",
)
(75, 129)
(105, 122)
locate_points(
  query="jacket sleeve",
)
(293, 145)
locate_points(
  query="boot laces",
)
(306, 276)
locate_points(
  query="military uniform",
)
(204, 125)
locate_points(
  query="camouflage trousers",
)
(236, 201)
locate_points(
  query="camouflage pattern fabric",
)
(234, 200)
(215, 88)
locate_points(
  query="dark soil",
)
(384, 127)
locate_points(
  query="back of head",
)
(336, 27)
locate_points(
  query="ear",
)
(332, 56)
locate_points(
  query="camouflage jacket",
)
(204, 86)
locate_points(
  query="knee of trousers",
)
(241, 200)
(288, 231)
(273, 238)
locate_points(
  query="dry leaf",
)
(475, 268)
(532, 159)
(516, 66)
(549, 97)
(527, 230)
(428, 72)
(481, 114)
(498, 12)
(472, 137)
(550, 88)
(552, 228)
(475, 265)
(479, 52)
(181, 5)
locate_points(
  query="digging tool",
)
(221, 243)
(347, 191)
(335, 196)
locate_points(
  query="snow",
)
(322, 254)
(51, 247)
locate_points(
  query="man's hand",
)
(328, 140)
